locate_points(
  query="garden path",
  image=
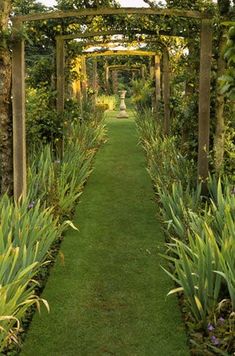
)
(109, 295)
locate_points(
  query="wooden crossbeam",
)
(123, 66)
(128, 69)
(113, 11)
(88, 34)
(107, 44)
(120, 53)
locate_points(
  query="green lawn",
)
(109, 297)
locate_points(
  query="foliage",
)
(194, 266)
(29, 228)
(200, 232)
(229, 157)
(42, 122)
(227, 80)
(27, 233)
(108, 102)
(142, 94)
(58, 183)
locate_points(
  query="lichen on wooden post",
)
(204, 100)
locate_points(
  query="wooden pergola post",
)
(84, 77)
(143, 72)
(18, 103)
(157, 77)
(204, 100)
(60, 88)
(166, 90)
(94, 78)
(60, 63)
(106, 68)
(115, 81)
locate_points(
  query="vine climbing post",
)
(18, 104)
(166, 90)
(204, 100)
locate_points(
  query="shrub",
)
(107, 102)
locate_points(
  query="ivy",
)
(228, 79)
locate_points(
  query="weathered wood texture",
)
(166, 90)
(19, 139)
(60, 63)
(204, 99)
(114, 11)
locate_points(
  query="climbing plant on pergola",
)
(18, 83)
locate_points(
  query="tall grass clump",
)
(200, 236)
(30, 228)
(26, 234)
(59, 182)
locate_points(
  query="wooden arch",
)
(87, 34)
(115, 68)
(81, 87)
(18, 82)
(95, 54)
(165, 75)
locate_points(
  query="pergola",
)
(18, 83)
(156, 68)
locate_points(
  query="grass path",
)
(109, 297)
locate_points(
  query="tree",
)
(5, 101)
